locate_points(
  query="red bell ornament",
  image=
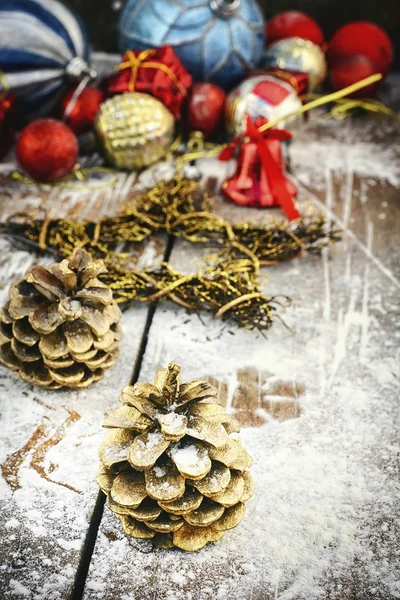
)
(260, 179)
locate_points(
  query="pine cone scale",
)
(46, 319)
(24, 332)
(145, 450)
(164, 483)
(23, 352)
(54, 345)
(129, 489)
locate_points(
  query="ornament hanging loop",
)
(224, 8)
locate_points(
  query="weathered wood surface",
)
(323, 417)
(319, 410)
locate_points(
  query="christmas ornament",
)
(60, 325)
(351, 69)
(205, 107)
(7, 118)
(367, 39)
(157, 72)
(170, 469)
(217, 40)
(42, 47)
(260, 179)
(297, 55)
(294, 23)
(263, 98)
(134, 129)
(47, 150)
(79, 108)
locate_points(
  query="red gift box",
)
(158, 72)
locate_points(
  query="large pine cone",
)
(169, 467)
(60, 326)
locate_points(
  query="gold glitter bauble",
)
(135, 130)
(298, 55)
(169, 466)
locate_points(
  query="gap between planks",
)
(98, 509)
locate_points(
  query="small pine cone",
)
(60, 325)
(169, 467)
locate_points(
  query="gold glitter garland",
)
(178, 208)
(228, 285)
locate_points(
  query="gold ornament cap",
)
(135, 130)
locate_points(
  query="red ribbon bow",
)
(272, 169)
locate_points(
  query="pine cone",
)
(60, 326)
(169, 467)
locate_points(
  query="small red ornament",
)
(205, 107)
(47, 150)
(7, 119)
(367, 39)
(349, 70)
(260, 178)
(158, 72)
(81, 112)
(294, 23)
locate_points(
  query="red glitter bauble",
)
(293, 23)
(367, 39)
(84, 110)
(205, 107)
(349, 70)
(47, 150)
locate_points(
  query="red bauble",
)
(205, 107)
(293, 23)
(349, 70)
(367, 39)
(85, 109)
(47, 150)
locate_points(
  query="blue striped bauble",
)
(217, 40)
(42, 46)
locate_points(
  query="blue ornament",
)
(42, 46)
(217, 40)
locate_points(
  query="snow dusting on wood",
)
(318, 407)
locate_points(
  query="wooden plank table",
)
(319, 409)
